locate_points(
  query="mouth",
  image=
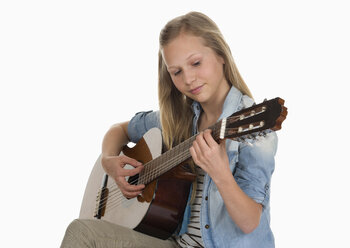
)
(196, 90)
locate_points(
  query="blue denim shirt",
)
(252, 164)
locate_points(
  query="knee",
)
(77, 234)
(78, 227)
(74, 226)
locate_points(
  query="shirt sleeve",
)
(141, 123)
(255, 166)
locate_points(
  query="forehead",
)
(182, 47)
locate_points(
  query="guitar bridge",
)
(101, 202)
(101, 199)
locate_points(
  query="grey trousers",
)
(99, 233)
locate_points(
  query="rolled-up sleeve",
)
(255, 166)
(141, 123)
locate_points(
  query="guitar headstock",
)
(254, 120)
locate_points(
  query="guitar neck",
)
(171, 158)
(246, 123)
(165, 162)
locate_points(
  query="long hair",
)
(175, 108)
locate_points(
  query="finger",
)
(130, 161)
(125, 186)
(131, 195)
(130, 192)
(196, 148)
(134, 188)
(202, 144)
(194, 155)
(195, 159)
(130, 172)
(209, 138)
(198, 154)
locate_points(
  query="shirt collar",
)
(231, 104)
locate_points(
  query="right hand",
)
(114, 167)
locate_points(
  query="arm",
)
(113, 142)
(213, 159)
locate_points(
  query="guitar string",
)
(181, 156)
(168, 164)
(154, 173)
(114, 202)
(120, 198)
(176, 160)
(155, 163)
(146, 175)
(185, 144)
(116, 191)
(230, 120)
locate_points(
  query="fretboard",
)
(170, 159)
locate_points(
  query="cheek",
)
(207, 72)
(216, 71)
(178, 84)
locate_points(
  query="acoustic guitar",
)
(159, 210)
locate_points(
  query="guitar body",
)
(160, 209)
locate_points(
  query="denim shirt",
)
(252, 164)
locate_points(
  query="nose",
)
(189, 76)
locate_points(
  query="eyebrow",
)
(169, 67)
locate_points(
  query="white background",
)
(70, 69)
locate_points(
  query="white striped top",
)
(193, 236)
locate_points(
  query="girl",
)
(199, 84)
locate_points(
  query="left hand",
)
(210, 156)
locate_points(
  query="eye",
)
(197, 63)
(177, 72)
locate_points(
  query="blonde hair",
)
(175, 108)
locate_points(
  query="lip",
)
(196, 90)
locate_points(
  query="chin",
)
(200, 98)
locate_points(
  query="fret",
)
(171, 158)
(166, 161)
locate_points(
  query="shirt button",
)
(206, 198)
(207, 226)
(267, 187)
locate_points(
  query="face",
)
(196, 70)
